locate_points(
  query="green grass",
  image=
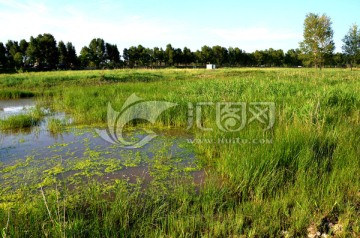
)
(17, 122)
(22, 121)
(55, 125)
(307, 176)
(15, 94)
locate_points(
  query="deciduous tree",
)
(42, 51)
(318, 38)
(62, 54)
(97, 51)
(112, 55)
(71, 55)
(169, 55)
(351, 47)
(3, 62)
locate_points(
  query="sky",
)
(250, 25)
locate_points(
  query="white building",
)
(210, 66)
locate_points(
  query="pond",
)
(36, 157)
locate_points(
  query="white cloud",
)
(254, 34)
(20, 21)
(253, 38)
(79, 26)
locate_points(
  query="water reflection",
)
(15, 107)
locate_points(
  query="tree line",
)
(316, 50)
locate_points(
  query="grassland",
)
(306, 180)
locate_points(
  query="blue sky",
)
(249, 25)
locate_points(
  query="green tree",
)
(169, 55)
(259, 57)
(292, 58)
(23, 47)
(206, 55)
(67, 55)
(266, 57)
(132, 56)
(188, 56)
(178, 56)
(12, 47)
(351, 46)
(276, 57)
(138, 56)
(339, 59)
(18, 59)
(158, 55)
(48, 50)
(15, 53)
(220, 55)
(62, 55)
(144, 56)
(231, 56)
(236, 57)
(3, 61)
(42, 51)
(33, 52)
(85, 57)
(72, 59)
(250, 59)
(112, 55)
(198, 59)
(126, 56)
(318, 38)
(97, 52)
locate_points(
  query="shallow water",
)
(36, 156)
(15, 107)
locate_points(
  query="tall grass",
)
(15, 94)
(55, 125)
(307, 177)
(20, 121)
(17, 122)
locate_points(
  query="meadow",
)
(307, 180)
